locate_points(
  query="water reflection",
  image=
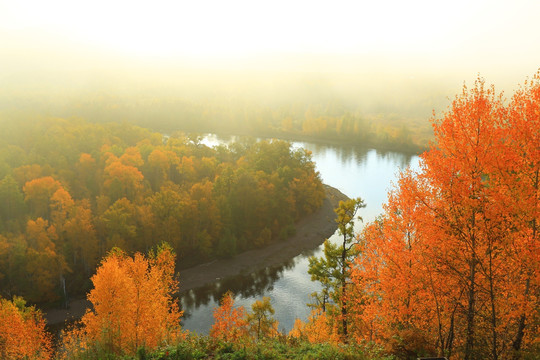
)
(347, 154)
(344, 153)
(354, 170)
(252, 285)
(402, 160)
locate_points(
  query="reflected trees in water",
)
(245, 286)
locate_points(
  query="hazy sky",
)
(489, 37)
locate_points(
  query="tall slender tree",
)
(332, 270)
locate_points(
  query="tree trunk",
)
(450, 339)
(469, 342)
(516, 345)
(494, 353)
(344, 288)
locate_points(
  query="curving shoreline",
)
(311, 231)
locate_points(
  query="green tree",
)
(81, 239)
(159, 165)
(12, 206)
(38, 193)
(260, 320)
(120, 222)
(332, 270)
(227, 245)
(168, 207)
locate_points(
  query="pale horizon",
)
(413, 50)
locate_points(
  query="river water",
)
(355, 171)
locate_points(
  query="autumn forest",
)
(117, 212)
(71, 191)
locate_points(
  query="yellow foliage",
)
(132, 305)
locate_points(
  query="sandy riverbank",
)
(311, 231)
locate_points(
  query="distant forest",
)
(391, 116)
(328, 120)
(71, 190)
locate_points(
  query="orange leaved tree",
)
(22, 332)
(132, 305)
(230, 323)
(452, 263)
(317, 329)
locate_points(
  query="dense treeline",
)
(71, 190)
(304, 112)
(323, 120)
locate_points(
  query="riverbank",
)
(311, 231)
(365, 143)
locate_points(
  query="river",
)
(355, 171)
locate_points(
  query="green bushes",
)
(203, 347)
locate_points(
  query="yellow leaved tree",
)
(132, 305)
(22, 332)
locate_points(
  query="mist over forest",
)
(115, 209)
(296, 72)
(256, 94)
(271, 96)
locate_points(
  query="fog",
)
(388, 58)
